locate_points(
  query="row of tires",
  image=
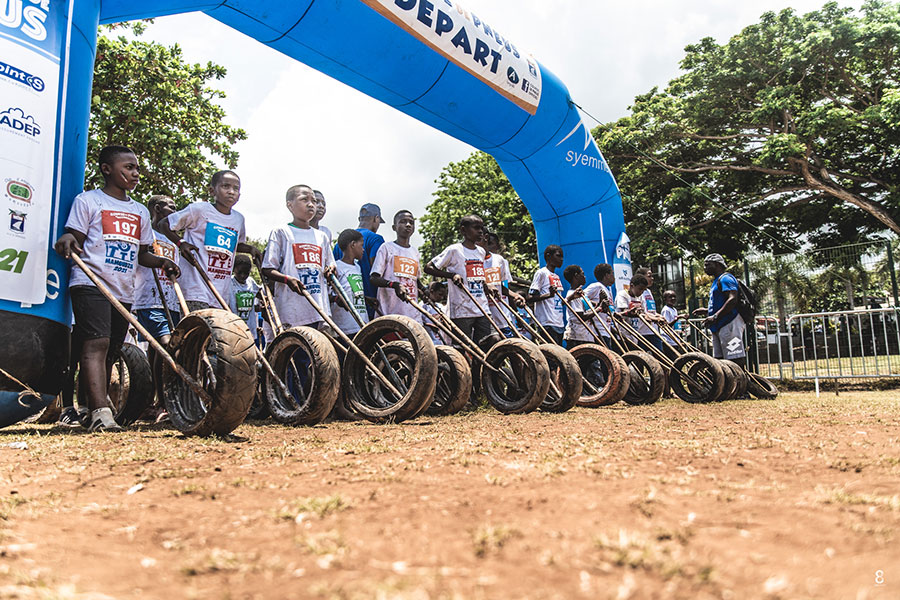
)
(312, 376)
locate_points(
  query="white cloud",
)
(304, 127)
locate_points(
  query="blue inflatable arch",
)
(430, 59)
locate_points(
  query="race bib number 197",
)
(220, 239)
(120, 226)
(307, 256)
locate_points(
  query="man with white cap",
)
(722, 317)
(369, 222)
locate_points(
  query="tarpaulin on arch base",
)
(431, 59)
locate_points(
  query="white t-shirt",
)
(350, 278)
(216, 236)
(670, 315)
(114, 230)
(437, 335)
(574, 329)
(549, 311)
(327, 232)
(145, 293)
(302, 254)
(596, 293)
(396, 263)
(242, 302)
(650, 307)
(497, 276)
(625, 301)
(460, 260)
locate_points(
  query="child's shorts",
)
(155, 322)
(96, 318)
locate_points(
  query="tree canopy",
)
(789, 131)
(147, 97)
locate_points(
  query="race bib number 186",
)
(307, 256)
(475, 270)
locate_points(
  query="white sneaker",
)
(102, 420)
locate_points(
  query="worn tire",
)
(366, 394)
(313, 383)
(454, 383)
(226, 341)
(704, 369)
(603, 369)
(566, 375)
(761, 388)
(647, 378)
(524, 361)
(403, 358)
(730, 382)
(733, 378)
(131, 388)
(742, 382)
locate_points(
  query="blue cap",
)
(370, 210)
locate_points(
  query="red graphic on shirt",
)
(474, 270)
(165, 250)
(307, 256)
(120, 226)
(555, 281)
(219, 266)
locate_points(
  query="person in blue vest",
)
(369, 222)
(723, 320)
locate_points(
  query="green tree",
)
(782, 280)
(478, 186)
(791, 126)
(147, 97)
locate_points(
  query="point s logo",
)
(24, 77)
(28, 16)
(583, 156)
(19, 123)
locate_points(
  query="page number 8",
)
(879, 577)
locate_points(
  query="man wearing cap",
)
(722, 316)
(369, 222)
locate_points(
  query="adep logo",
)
(18, 191)
(15, 120)
(23, 77)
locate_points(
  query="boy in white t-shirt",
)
(320, 212)
(437, 293)
(148, 306)
(244, 289)
(112, 235)
(298, 257)
(598, 294)
(213, 234)
(497, 276)
(548, 308)
(630, 304)
(349, 277)
(463, 264)
(670, 314)
(576, 333)
(650, 333)
(395, 270)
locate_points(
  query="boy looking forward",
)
(213, 234)
(497, 276)
(242, 299)
(576, 333)
(349, 276)
(112, 234)
(297, 257)
(548, 308)
(395, 270)
(463, 264)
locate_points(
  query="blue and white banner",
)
(469, 42)
(622, 263)
(31, 36)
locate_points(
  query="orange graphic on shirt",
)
(406, 267)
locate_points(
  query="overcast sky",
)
(304, 127)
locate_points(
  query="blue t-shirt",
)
(718, 294)
(371, 243)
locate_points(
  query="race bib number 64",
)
(220, 239)
(120, 226)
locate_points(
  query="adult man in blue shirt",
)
(722, 319)
(369, 222)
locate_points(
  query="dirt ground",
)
(793, 498)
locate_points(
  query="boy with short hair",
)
(598, 294)
(349, 277)
(576, 333)
(463, 264)
(497, 276)
(395, 270)
(112, 234)
(297, 257)
(630, 304)
(242, 300)
(548, 308)
(213, 234)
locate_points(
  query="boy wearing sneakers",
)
(112, 234)
(349, 277)
(242, 299)
(395, 271)
(298, 257)
(213, 234)
(463, 264)
(548, 308)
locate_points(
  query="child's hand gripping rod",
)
(487, 316)
(188, 379)
(584, 323)
(531, 331)
(545, 335)
(269, 301)
(606, 328)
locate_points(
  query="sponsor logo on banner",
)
(467, 41)
(24, 77)
(28, 17)
(16, 121)
(17, 221)
(587, 155)
(18, 191)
